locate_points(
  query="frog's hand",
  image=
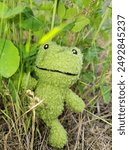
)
(28, 82)
(74, 102)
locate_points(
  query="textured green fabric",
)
(57, 69)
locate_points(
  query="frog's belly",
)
(53, 103)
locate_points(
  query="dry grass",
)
(86, 131)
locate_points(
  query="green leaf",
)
(15, 11)
(70, 13)
(105, 91)
(9, 58)
(6, 13)
(27, 13)
(86, 3)
(61, 10)
(87, 77)
(3, 10)
(47, 5)
(80, 23)
(91, 54)
(31, 23)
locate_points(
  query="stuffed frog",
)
(57, 68)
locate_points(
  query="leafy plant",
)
(25, 25)
(9, 58)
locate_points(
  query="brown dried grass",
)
(86, 131)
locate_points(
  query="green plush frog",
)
(57, 68)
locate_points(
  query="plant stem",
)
(54, 14)
(100, 26)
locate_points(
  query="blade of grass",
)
(100, 118)
(51, 34)
(33, 130)
(54, 14)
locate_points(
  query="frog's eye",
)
(46, 46)
(74, 51)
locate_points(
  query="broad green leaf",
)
(105, 91)
(70, 13)
(80, 24)
(9, 58)
(61, 10)
(32, 23)
(86, 3)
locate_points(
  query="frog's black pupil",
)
(46, 46)
(74, 51)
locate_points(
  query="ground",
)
(85, 132)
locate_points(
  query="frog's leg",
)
(58, 135)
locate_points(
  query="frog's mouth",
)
(66, 73)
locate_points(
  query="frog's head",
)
(58, 65)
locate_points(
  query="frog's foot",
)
(58, 135)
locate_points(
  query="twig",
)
(78, 135)
(33, 130)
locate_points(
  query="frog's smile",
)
(67, 73)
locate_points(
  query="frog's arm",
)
(74, 102)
